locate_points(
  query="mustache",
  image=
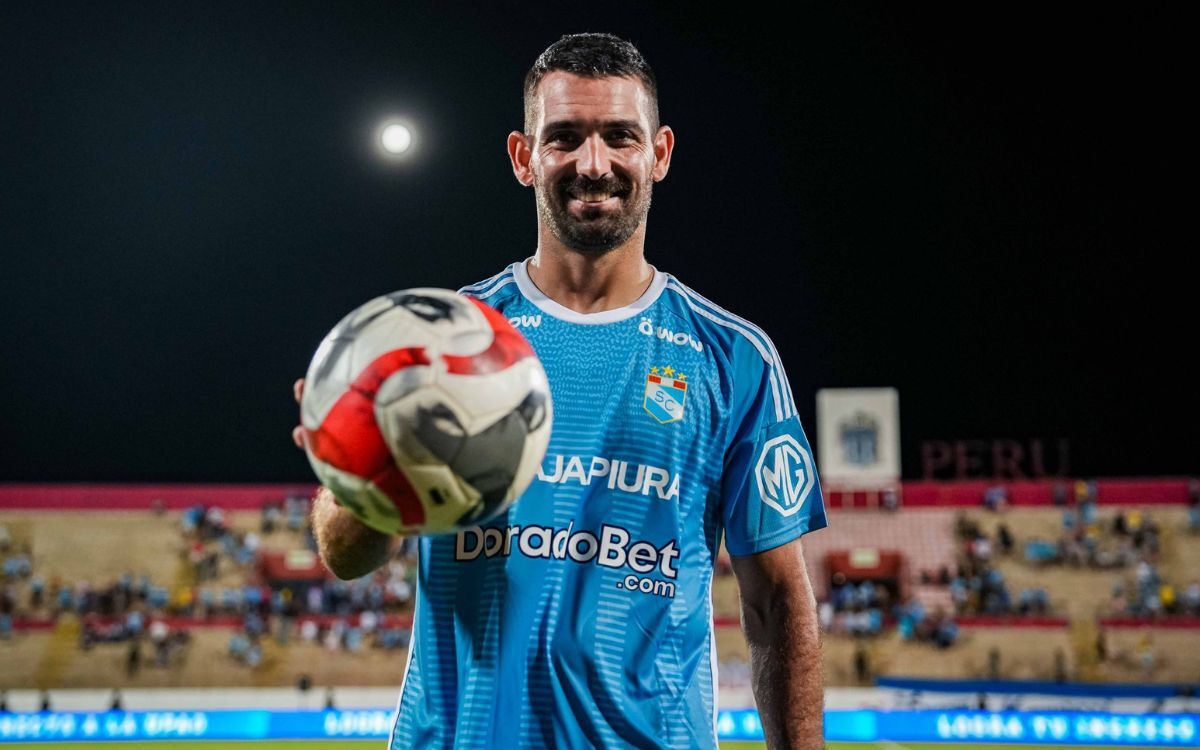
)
(581, 184)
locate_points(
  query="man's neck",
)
(589, 283)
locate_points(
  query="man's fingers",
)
(298, 430)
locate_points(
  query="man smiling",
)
(582, 617)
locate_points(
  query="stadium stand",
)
(185, 593)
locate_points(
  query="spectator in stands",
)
(272, 514)
(368, 621)
(254, 654)
(159, 632)
(64, 599)
(1004, 539)
(399, 638)
(133, 659)
(332, 638)
(254, 625)
(189, 520)
(1033, 601)
(85, 600)
(5, 539)
(1120, 525)
(825, 615)
(981, 548)
(36, 592)
(1041, 552)
(316, 599)
(353, 638)
(1191, 598)
(1145, 653)
(943, 631)
(995, 498)
(959, 594)
(8, 599)
(214, 523)
(18, 566)
(1194, 506)
(296, 508)
(1060, 665)
(1060, 495)
(1118, 603)
(1166, 595)
(239, 645)
(1086, 491)
(862, 669)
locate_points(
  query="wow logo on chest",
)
(666, 394)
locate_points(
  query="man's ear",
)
(664, 145)
(519, 153)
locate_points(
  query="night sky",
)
(979, 210)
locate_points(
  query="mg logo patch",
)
(666, 393)
(785, 474)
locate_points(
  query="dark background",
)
(976, 206)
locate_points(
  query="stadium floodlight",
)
(396, 138)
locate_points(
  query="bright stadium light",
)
(396, 138)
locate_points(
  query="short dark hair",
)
(593, 56)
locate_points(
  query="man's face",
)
(592, 159)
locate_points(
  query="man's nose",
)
(593, 157)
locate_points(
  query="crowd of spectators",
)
(862, 609)
(1085, 540)
(977, 586)
(17, 565)
(210, 539)
(1149, 595)
(854, 608)
(914, 624)
(343, 629)
(339, 614)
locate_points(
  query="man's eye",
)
(561, 136)
(621, 135)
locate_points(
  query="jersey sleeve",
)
(770, 492)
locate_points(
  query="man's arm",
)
(779, 617)
(349, 548)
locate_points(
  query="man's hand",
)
(298, 430)
(779, 617)
(349, 548)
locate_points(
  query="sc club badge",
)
(666, 393)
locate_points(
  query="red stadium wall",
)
(1032, 493)
(143, 496)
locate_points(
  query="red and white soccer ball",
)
(425, 412)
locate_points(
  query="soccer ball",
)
(425, 412)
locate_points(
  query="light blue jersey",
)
(582, 617)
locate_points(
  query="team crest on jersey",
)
(666, 394)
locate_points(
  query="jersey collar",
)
(550, 307)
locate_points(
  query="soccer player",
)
(582, 616)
